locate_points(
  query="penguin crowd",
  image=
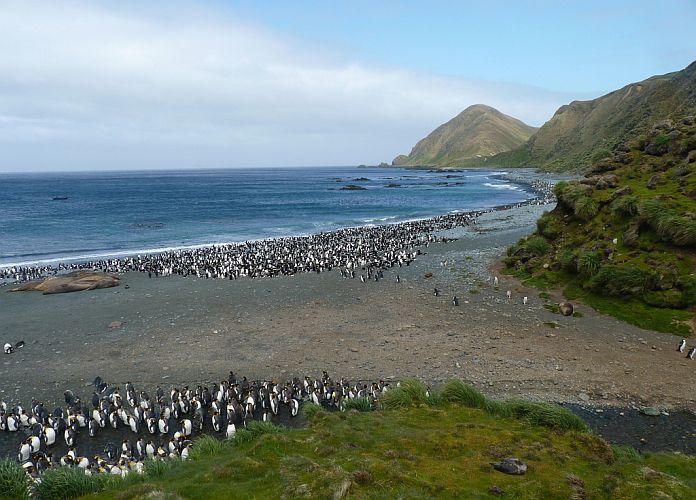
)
(162, 424)
(379, 247)
(682, 346)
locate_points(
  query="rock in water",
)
(71, 282)
(115, 324)
(513, 466)
(566, 308)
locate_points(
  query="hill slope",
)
(585, 130)
(624, 237)
(478, 131)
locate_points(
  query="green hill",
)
(623, 238)
(583, 130)
(478, 131)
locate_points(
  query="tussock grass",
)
(545, 415)
(626, 206)
(359, 404)
(411, 393)
(155, 468)
(589, 263)
(456, 391)
(71, 482)
(626, 454)
(13, 480)
(537, 245)
(206, 446)
(311, 410)
(585, 208)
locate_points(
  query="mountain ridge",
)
(478, 131)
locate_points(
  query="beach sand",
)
(179, 331)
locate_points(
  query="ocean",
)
(73, 216)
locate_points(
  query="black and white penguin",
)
(681, 346)
(92, 427)
(230, 431)
(691, 353)
(8, 349)
(455, 301)
(436, 292)
(217, 422)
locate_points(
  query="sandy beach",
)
(187, 331)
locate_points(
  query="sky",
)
(103, 85)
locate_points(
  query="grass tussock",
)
(71, 482)
(311, 410)
(410, 393)
(358, 404)
(206, 446)
(13, 480)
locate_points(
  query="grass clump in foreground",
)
(429, 445)
(13, 480)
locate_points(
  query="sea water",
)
(128, 212)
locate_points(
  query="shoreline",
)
(184, 331)
(540, 194)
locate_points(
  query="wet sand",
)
(187, 331)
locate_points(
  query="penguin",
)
(34, 443)
(230, 431)
(681, 346)
(398, 280)
(217, 422)
(509, 294)
(8, 349)
(691, 353)
(294, 407)
(436, 292)
(455, 301)
(70, 436)
(524, 300)
(163, 425)
(92, 427)
(186, 427)
(49, 435)
(24, 451)
(495, 281)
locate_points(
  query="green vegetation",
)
(623, 238)
(433, 445)
(13, 480)
(474, 135)
(71, 482)
(585, 132)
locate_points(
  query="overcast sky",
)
(90, 85)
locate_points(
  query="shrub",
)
(13, 480)
(359, 404)
(458, 392)
(156, 468)
(668, 225)
(625, 206)
(537, 245)
(546, 227)
(589, 263)
(260, 428)
(585, 207)
(71, 482)
(619, 280)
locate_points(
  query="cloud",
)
(84, 85)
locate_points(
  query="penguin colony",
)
(162, 425)
(378, 247)
(682, 345)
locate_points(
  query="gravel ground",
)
(185, 331)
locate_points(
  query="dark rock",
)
(566, 308)
(652, 182)
(691, 157)
(496, 491)
(603, 165)
(650, 411)
(361, 179)
(513, 466)
(392, 185)
(607, 181)
(621, 192)
(664, 125)
(353, 187)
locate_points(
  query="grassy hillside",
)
(478, 131)
(624, 237)
(583, 130)
(417, 446)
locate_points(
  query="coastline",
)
(180, 331)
